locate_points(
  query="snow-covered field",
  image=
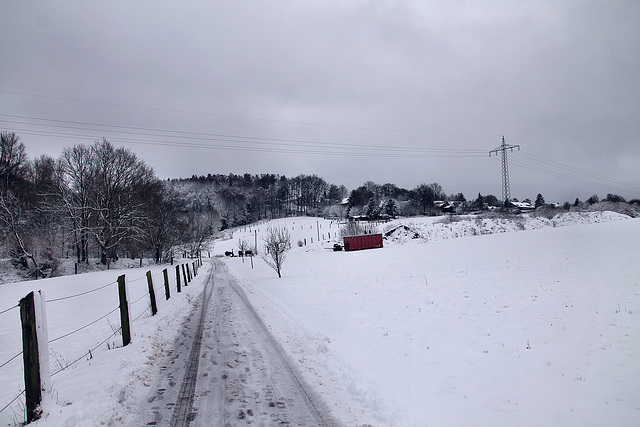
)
(519, 328)
(532, 322)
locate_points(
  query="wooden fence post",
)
(188, 272)
(152, 294)
(35, 352)
(124, 311)
(178, 277)
(195, 269)
(184, 275)
(167, 292)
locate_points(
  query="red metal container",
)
(366, 241)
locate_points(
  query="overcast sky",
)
(406, 92)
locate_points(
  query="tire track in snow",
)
(232, 371)
(183, 411)
(169, 405)
(255, 369)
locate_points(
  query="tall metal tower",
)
(506, 190)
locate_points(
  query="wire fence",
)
(158, 284)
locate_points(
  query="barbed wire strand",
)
(9, 361)
(117, 331)
(13, 400)
(143, 296)
(140, 315)
(83, 327)
(82, 293)
(9, 309)
(139, 278)
(160, 288)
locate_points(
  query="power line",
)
(168, 133)
(186, 139)
(565, 176)
(578, 171)
(226, 116)
(79, 130)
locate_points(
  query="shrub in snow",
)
(355, 228)
(277, 242)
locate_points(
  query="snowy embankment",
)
(439, 228)
(95, 380)
(519, 328)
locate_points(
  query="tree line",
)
(94, 201)
(242, 199)
(102, 202)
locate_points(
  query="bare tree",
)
(163, 231)
(277, 242)
(200, 228)
(16, 201)
(74, 182)
(13, 160)
(119, 183)
(13, 218)
(425, 194)
(47, 224)
(243, 246)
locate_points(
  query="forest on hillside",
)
(101, 202)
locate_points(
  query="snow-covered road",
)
(226, 369)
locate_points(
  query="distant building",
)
(523, 206)
(444, 206)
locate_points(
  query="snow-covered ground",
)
(532, 322)
(521, 328)
(105, 386)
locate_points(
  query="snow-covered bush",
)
(356, 228)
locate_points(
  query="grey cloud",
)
(558, 78)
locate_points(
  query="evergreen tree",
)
(615, 198)
(491, 200)
(391, 209)
(373, 211)
(539, 201)
(479, 203)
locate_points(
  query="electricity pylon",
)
(506, 191)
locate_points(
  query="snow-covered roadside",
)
(105, 387)
(526, 328)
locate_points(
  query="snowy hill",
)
(518, 328)
(527, 322)
(438, 228)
